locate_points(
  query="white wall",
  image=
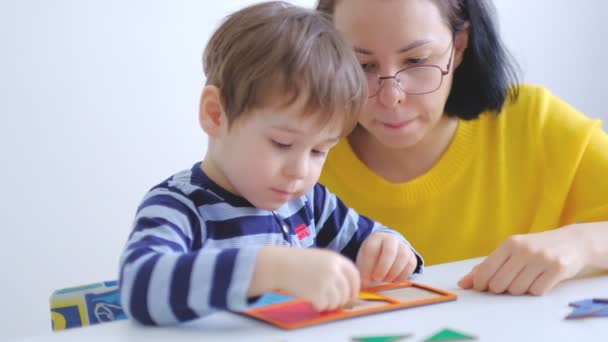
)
(99, 102)
(561, 44)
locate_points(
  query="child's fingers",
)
(386, 258)
(353, 279)
(334, 299)
(399, 265)
(367, 257)
(409, 268)
(344, 290)
(320, 302)
(328, 297)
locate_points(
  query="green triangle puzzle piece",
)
(449, 335)
(387, 338)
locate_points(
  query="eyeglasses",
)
(414, 80)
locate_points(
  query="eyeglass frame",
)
(443, 73)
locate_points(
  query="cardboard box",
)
(84, 305)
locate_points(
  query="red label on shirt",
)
(302, 231)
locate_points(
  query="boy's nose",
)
(296, 168)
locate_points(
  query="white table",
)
(492, 318)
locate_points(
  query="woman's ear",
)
(461, 42)
(212, 116)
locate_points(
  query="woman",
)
(460, 161)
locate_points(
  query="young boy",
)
(282, 89)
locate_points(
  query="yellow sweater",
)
(540, 164)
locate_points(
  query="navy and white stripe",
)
(194, 245)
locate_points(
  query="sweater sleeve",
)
(587, 200)
(166, 277)
(342, 229)
(575, 152)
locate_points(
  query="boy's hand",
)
(325, 278)
(384, 258)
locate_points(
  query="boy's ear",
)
(461, 42)
(212, 116)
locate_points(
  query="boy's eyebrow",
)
(289, 129)
(295, 130)
(406, 48)
(332, 140)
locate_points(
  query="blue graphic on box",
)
(71, 317)
(84, 305)
(104, 307)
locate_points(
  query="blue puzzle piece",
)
(270, 298)
(583, 303)
(584, 311)
(589, 308)
(603, 313)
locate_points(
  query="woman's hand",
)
(532, 263)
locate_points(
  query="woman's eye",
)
(368, 66)
(280, 145)
(416, 61)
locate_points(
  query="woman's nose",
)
(390, 94)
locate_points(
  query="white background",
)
(99, 102)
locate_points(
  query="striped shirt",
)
(194, 245)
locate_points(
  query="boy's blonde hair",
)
(274, 52)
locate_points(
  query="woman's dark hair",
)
(487, 75)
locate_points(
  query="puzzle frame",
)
(299, 313)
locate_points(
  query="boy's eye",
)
(279, 144)
(319, 153)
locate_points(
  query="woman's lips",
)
(396, 125)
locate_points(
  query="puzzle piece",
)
(582, 303)
(450, 335)
(586, 308)
(370, 296)
(602, 313)
(271, 298)
(582, 312)
(386, 338)
(360, 304)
